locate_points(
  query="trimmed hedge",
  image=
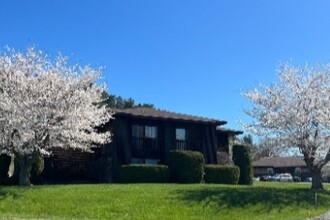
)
(242, 159)
(143, 173)
(221, 174)
(186, 166)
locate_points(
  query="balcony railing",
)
(194, 145)
(153, 149)
(146, 148)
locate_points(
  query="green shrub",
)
(242, 159)
(221, 174)
(186, 166)
(4, 167)
(36, 169)
(143, 173)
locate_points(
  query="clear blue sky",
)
(194, 57)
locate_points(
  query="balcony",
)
(193, 145)
(146, 148)
(152, 148)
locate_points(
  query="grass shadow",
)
(267, 198)
(11, 192)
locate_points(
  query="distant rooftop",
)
(280, 162)
(229, 131)
(165, 115)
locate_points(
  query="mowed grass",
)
(162, 201)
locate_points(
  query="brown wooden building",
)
(141, 135)
(226, 138)
(277, 165)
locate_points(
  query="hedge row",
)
(143, 173)
(183, 167)
(186, 166)
(221, 174)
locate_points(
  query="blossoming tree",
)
(45, 104)
(295, 113)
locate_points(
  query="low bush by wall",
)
(186, 166)
(143, 173)
(37, 169)
(221, 174)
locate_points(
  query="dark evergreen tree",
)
(119, 102)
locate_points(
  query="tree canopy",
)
(119, 102)
(295, 113)
(47, 104)
(258, 149)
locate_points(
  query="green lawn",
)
(162, 201)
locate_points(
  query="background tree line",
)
(113, 101)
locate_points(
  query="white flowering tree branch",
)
(295, 113)
(47, 104)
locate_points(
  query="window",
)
(270, 171)
(180, 134)
(140, 131)
(150, 132)
(145, 143)
(137, 131)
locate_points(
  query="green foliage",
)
(4, 167)
(248, 140)
(186, 166)
(121, 103)
(143, 173)
(36, 169)
(221, 174)
(242, 159)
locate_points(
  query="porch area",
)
(146, 150)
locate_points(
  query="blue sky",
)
(187, 56)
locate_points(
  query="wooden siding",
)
(70, 165)
(76, 166)
(200, 138)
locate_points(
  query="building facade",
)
(140, 136)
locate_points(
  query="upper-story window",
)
(140, 131)
(137, 131)
(180, 134)
(150, 132)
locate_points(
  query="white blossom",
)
(45, 104)
(295, 112)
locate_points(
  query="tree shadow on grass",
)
(266, 198)
(7, 192)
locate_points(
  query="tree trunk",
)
(25, 164)
(317, 179)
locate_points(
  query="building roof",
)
(164, 115)
(277, 162)
(229, 131)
